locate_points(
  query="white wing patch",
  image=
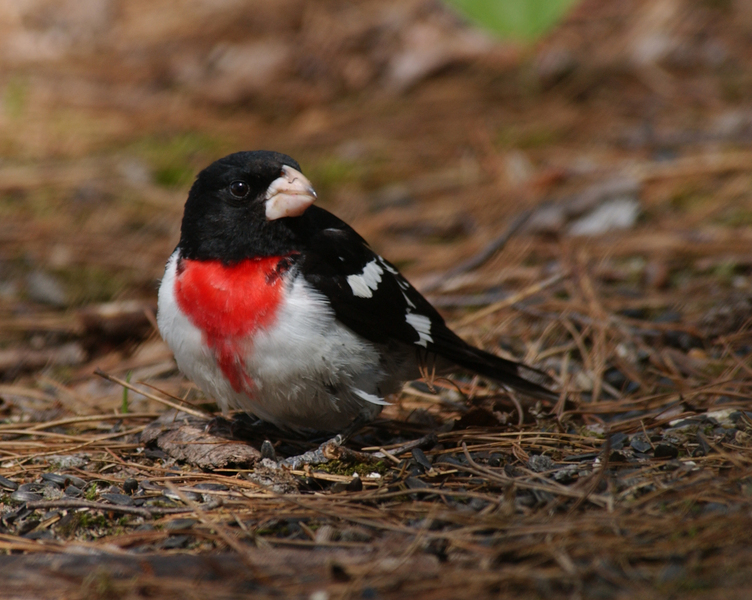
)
(388, 267)
(365, 284)
(422, 325)
(400, 281)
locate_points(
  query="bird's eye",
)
(239, 189)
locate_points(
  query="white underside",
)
(309, 370)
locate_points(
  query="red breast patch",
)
(229, 303)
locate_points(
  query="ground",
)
(584, 205)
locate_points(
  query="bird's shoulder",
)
(367, 293)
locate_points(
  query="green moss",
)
(89, 520)
(91, 493)
(338, 467)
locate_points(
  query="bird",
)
(276, 307)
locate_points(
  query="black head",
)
(237, 207)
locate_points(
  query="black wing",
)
(372, 298)
(340, 264)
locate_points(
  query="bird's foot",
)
(332, 449)
(323, 454)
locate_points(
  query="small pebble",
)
(566, 474)
(68, 461)
(540, 463)
(46, 289)
(477, 504)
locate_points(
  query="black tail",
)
(509, 373)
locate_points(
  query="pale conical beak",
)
(289, 195)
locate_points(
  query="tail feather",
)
(509, 373)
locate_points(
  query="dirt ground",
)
(584, 205)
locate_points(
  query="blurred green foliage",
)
(516, 19)
(15, 97)
(331, 171)
(175, 158)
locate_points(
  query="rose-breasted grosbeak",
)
(280, 309)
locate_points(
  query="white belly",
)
(307, 369)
